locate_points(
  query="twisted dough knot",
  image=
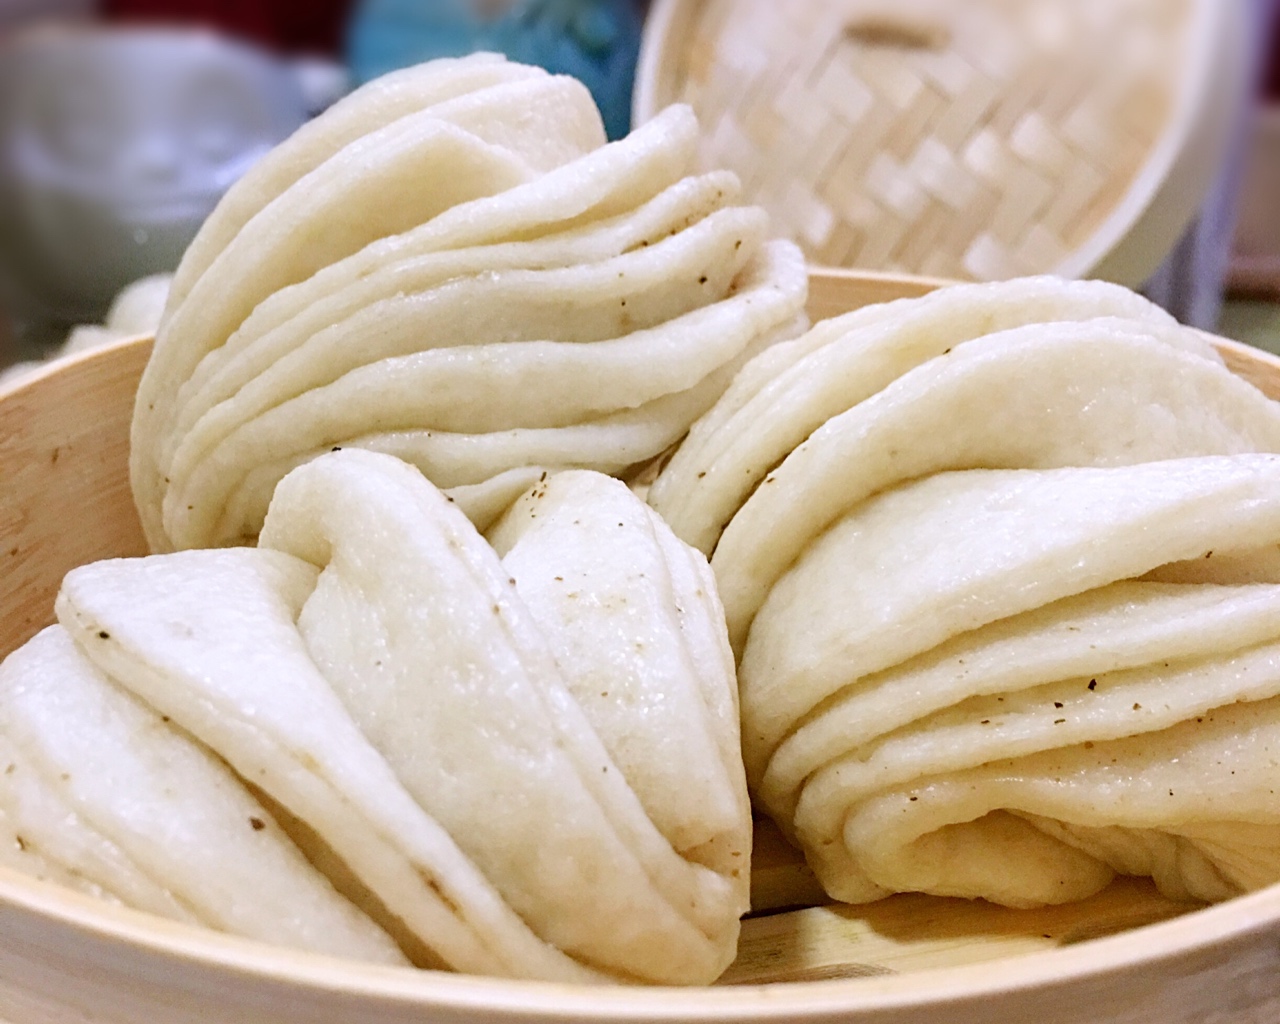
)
(452, 266)
(968, 666)
(526, 767)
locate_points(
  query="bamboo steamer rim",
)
(1164, 194)
(239, 959)
(62, 918)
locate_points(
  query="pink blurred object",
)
(312, 27)
(1255, 262)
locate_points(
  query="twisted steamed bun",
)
(525, 766)
(451, 266)
(1003, 578)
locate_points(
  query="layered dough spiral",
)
(1003, 572)
(526, 766)
(451, 266)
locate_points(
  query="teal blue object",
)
(596, 41)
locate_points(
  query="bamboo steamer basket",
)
(973, 139)
(1124, 956)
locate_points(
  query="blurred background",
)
(122, 122)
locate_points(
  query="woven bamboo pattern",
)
(979, 140)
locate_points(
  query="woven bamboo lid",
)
(979, 139)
